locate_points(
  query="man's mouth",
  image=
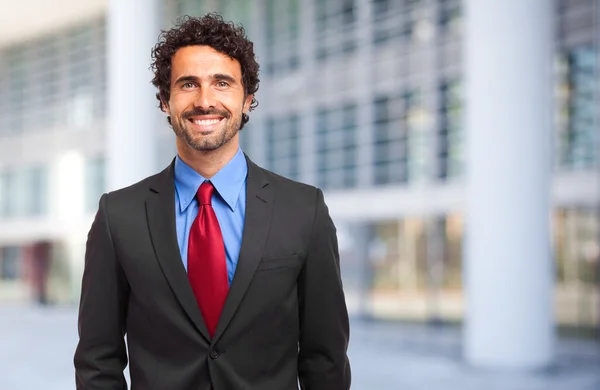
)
(206, 123)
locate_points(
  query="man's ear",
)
(165, 107)
(247, 103)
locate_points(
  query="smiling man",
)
(222, 275)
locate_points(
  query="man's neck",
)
(207, 163)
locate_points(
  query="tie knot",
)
(205, 193)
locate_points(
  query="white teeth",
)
(206, 122)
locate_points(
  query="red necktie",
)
(207, 267)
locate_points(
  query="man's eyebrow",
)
(186, 79)
(224, 77)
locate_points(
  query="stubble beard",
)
(201, 142)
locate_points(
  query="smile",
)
(206, 123)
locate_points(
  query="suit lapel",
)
(259, 207)
(160, 211)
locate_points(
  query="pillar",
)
(508, 264)
(133, 114)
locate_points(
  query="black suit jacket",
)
(284, 321)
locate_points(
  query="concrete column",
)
(508, 265)
(133, 28)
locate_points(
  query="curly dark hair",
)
(208, 30)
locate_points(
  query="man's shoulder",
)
(291, 190)
(137, 191)
(287, 184)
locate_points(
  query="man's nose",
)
(205, 98)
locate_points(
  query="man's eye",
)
(222, 84)
(188, 85)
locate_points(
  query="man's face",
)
(207, 97)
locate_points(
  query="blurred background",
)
(369, 100)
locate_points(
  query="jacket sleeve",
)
(324, 327)
(101, 356)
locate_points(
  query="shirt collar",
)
(228, 182)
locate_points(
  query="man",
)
(222, 275)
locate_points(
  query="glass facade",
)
(54, 82)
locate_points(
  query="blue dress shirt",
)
(228, 201)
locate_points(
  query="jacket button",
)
(213, 353)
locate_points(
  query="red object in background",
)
(37, 259)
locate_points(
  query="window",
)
(282, 30)
(335, 27)
(26, 191)
(578, 137)
(80, 98)
(416, 119)
(577, 253)
(5, 98)
(449, 14)
(238, 11)
(336, 147)
(190, 7)
(390, 19)
(9, 263)
(284, 145)
(401, 141)
(38, 186)
(100, 103)
(17, 84)
(47, 85)
(450, 134)
(382, 7)
(390, 141)
(3, 194)
(407, 260)
(246, 138)
(95, 182)
(54, 81)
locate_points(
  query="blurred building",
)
(361, 98)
